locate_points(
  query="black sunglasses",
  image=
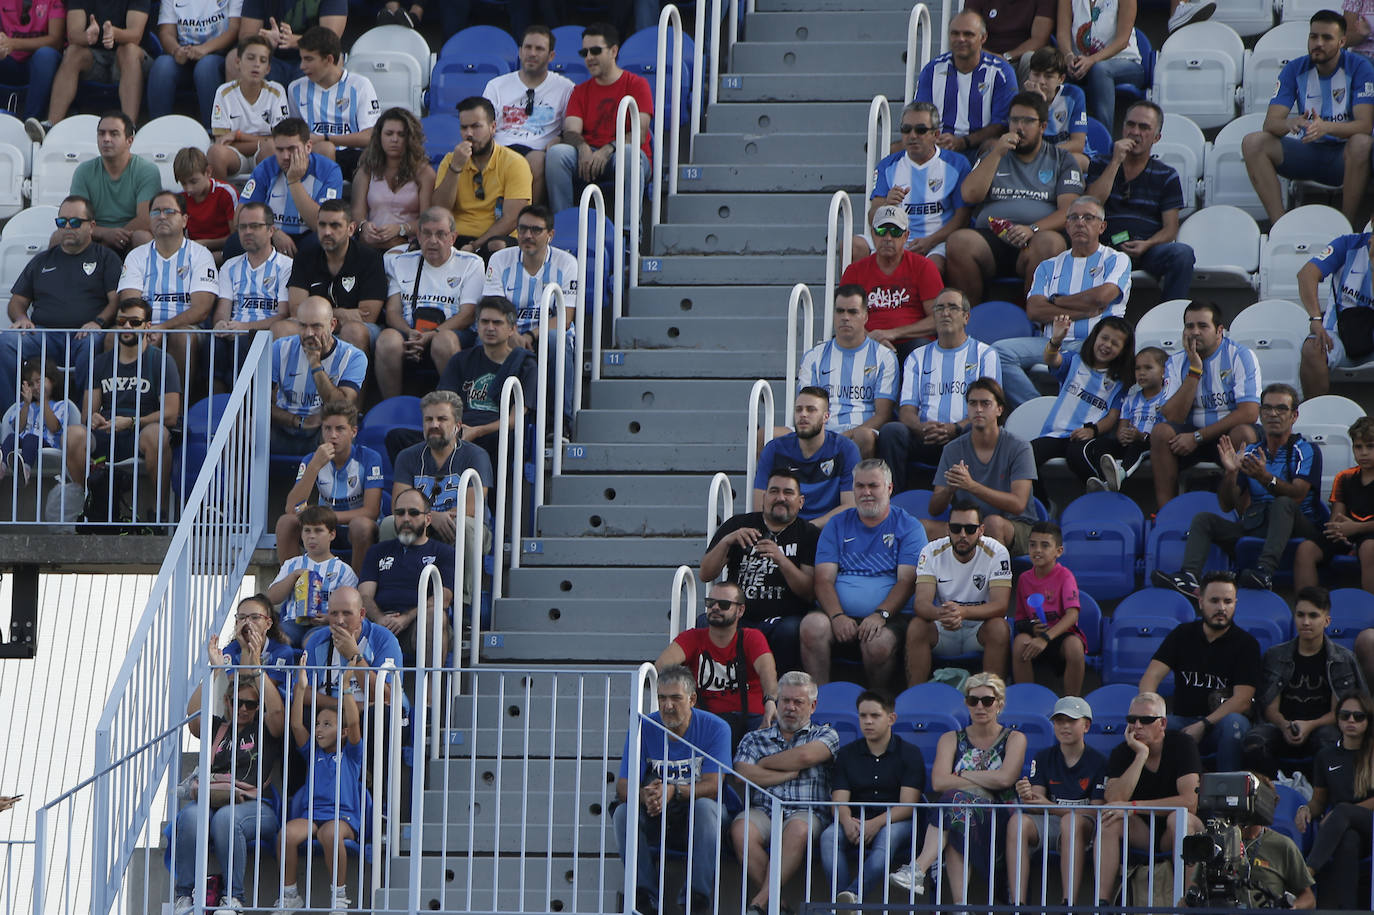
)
(250, 704)
(529, 102)
(714, 603)
(478, 187)
(984, 701)
(73, 222)
(594, 51)
(409, 512)
(123, 321)
(1347, 715)
(919, 129)
(1142, 719)
(962, 528)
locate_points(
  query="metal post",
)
(841, 248)
(763, 391)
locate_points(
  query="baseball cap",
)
(890, 216)
(1072, 707)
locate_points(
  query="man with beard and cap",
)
(478, 174)
(824, 463)
(310, 369)
(772, 555)
(391, 573)
(1216, 668)
(1023, 188)
(963, 589)
(736, 676)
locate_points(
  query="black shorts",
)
(1004, 255)
(113, 446)
(347, 158)
(1205, 452)
(896, 624)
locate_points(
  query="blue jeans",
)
(16, 346)
(560, 177)
(1172, 265)
(705, 839)
(230, 829)
(1226, 739)
(37, 71)
(167, 77)
(1099, 85)
(893, 839)
(1020, 353)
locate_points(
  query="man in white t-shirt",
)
(963, 589)
(530, 103)
(245, 111)
(432, 294)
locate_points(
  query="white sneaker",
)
(845, 898)
(229, 905)
(1112, 473)
(183, 905)
(909, 878)
(339, 902)
(1095, 484)
(35, 129)
(1191, 11)
(290, 900)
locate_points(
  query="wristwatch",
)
(1197, 437)
(884, 614)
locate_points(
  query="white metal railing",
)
(13, 853)
(948, 10)
(879, 136)
(682, 601)
(553, 298)
(670, 18)
(467, 553)
(224, 518)
(799, 306)
(591, 196)
(512, 492)
(840, 249)
(918, 26)
(720, 502)
(627, 211)
(716, 51)
(761, 394)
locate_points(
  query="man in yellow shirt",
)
(481, 177)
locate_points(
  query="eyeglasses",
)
(531, 230)
(1347, 715)
(126, 321)
(888, 232)
(594, 51)
(252, 226)
(1278, 409)
(408, 512)
(1022, 120)
(1082, 217)
(716, 603)
(984, 701)
(946, 307)
(478, 186)
(164, 211)
(963, 528)
(919, 129)
(1142, 719)
(247, 617)
(250, 704)
(71, 222)
(529, 102)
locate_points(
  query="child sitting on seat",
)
(36, 422)
(1047, 613)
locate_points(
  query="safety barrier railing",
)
(553, 300)
(799, 307)
(720, 501)
(918, 28)
(591, 198)
(223, 520)
(682, 601)
(879, 137)
(668, 19)
(510, 489)
(948, 10)
(16, 855)
(627, 211)
(71, 462)
(836, 249)
(760, 395)
(467, 556)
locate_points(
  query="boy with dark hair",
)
(339, 106)
(1350, 530)
(1067, 127)
(210, 202)
(1047, 612)
(304, 584)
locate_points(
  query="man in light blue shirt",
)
(308, 370)
(293, 182)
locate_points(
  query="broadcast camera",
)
(1227, 803)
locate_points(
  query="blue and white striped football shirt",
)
(346, 366)
(348, 106)
(935, 380)
(1301, 88)
(856, 379)
(1085, 396)
(256, 293)
(506, 275)
(1230, 376)
(1346, 262)
(933, 195)
(1144, 412)
(335, 572)
(323, 181)
(968, 102)
(1068, 114)
(1065, 274)
(342, 488)
(169, 282)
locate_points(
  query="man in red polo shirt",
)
(900, 283)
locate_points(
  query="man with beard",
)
(349, 275)
(308, 370)
(865, 571)
(478, 174)
(736, 676)
(530, 102)
(391, 574)
(1023, 188)
(772, 555)
(824, 463)
(963, 588)
(1216, 668)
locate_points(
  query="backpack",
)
(104, 504)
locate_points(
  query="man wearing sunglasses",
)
(478, 175)
(1153, 766)
(530, 103)
(391, 574)
(901, 285)
(590, 132)
(70, 287)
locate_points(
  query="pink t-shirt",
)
(1364, 8)
(14, 25)
(1060, 591)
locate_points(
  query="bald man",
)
(309, 369)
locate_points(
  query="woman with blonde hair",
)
(394, 181)
(1342, 798)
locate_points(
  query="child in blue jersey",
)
(1068, 124)
(330, 807)
(36, 422)
(304, 584)
(1118, 454)
(1093, 386)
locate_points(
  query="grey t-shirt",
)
(1026, 191)
(1011, 460)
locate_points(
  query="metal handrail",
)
(720, 502)
(841, 248)
(627, 212)
(512, 393)
(590, 194)
(948, 11)
(473, 549)
(670, 17)
(798, 305)
(879, 136)
(684, 580)
(920, 13)
(552, 297)
(429, 591)
(761, 391)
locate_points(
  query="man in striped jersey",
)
(935, 380)
(859, 373)
(971, 87)
(1085, 282)
(1345, 335)
(252, 293)
(1215, 385)
(308, 370)
(340, 107)
(1328, 138)
(294, 181)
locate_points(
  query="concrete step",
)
(551, 883)
(671, 394)
(689, 270)
(646, 615)
(667, 363)
(625, 520)
(710, 301)
(846, 118)
(485, 776)
(665, 553)
(766, 178)
(482, 836)
(572, 583)
(728, 148)
(572, 648)
(654, 426)
(795, 87)
(767, 239)
(831, 25)
(509, 722)
(608, 489)
(812, 57)
(650, 457)
(765, 331)
(775, 210)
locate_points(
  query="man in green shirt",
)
(119, 185)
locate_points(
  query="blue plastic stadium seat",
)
(1352, 611)
(1264, 607)
(485, 40)
(835, 707)
(455, 79)
(1031, 699)
(1155, 602)
(917, 503)
(1285, 811)
(996, 320)
(1103, 541)
(639, 55)
(1164, 542)
(1109, 704)
(393, 413)
(1090, 621)
(1127, 93)
(442, 133)
(565, 237)
(1099, 141)
(1130, 643)
(931, 697)
(1037, 728)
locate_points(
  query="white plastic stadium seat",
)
(1198, 73)
(69, 142)
(1162, 326)
(24, 236)
(1226, 243)
(1296, 238)
(1026, 421)
(1274, 329)
(160, 140)
(12, 172)
(1334, 442)
(398, 67)
(1262, 64)
(1300, 10)
(12, 132)
(1247, 17)
(1224, 178)
(1182, 146)
(1330, 409)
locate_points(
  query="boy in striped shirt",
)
(340, 107)
(323, 573)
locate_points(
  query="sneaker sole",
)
(1111, 473)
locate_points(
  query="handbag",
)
(223, 787)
